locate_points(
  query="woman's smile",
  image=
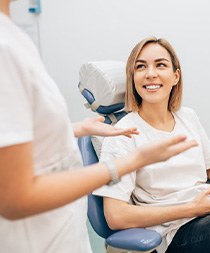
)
(152, 87)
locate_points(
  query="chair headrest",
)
(102, 83)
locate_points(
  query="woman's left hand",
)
(96, 126)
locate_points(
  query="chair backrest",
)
(95, 203)
(102, 84)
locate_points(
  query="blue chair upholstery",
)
(101, 109)
(132, 240)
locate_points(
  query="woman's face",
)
(154, 77)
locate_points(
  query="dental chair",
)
(101, 76)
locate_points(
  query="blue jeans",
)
(193, 237)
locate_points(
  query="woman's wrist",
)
(189, 210)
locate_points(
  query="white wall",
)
(73, 32)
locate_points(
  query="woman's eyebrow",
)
(139, 60)
(156, 60)
(161, 59)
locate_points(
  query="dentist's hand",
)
(159, 151)
(96, 126)
(162, 150)
(153, 152)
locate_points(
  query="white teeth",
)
(152, 87)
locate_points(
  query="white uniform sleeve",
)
(15, 107)
(115, 147)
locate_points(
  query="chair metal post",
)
(115, 250)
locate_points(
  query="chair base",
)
(110, 249)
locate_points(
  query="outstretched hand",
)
(96, 126)
(164, 149)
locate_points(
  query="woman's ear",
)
(177, 76)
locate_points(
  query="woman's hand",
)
(96, 126)
(201, 204)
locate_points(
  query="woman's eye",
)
(161, 64)
(140, 66)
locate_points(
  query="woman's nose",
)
(151, 72)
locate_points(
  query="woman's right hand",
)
(200, 205)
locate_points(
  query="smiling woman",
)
(153, 60)
(147, 71)
(154, 79)
(164, 194)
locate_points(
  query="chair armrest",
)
(134, 239)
